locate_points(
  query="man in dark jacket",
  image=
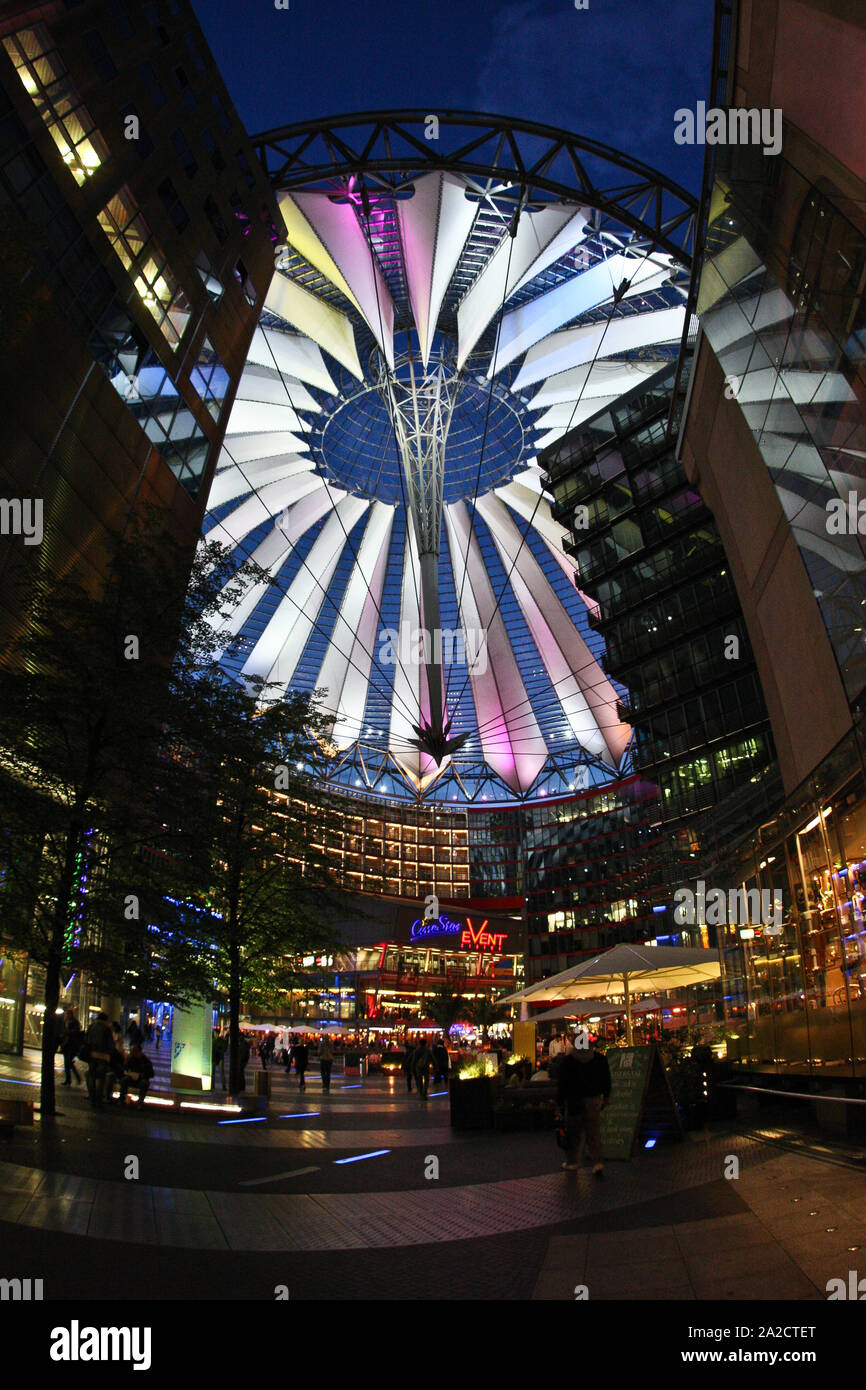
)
(409, 1063)
(440, 1060)
(301, 1057)
(422, 1062)
(70, 1041)
(138, 1072)
(582, 1092)
(100, 1045)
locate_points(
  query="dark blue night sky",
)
(615, 72)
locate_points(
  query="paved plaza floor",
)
(366, 1192)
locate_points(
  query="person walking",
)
(263, 1053)
(301, 1055)
(326, 1061)
(423, 1062)
(441, 1061)
(409, 1063)
(70, 1042)
(134, 1033)
(100, 1045)
(157, 1033)
(582, 1092)
(218, 1058)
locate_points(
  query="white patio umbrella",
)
(586, 1008)
(623, 969)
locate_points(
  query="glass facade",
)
(781, 303)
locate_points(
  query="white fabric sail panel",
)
(304, 235)
(266, 384)
(584, 411)
(573, 347)
(522, 496)
(542, 237)
(280, 647)
(271, 554)
(595, 379)
(244, 448)
(262, 506)
(345, 671)
(564, 417)
(511, 738)
(259, 417)
(321, 322)
(410, 703)
(526, 325)
(587, 697)
(434, 227)
(291, 354)
(354, 270)
(234, 482)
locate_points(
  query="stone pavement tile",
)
(784, 1286)
(68, 1185)
(16, 1178)
(248, 1222)
(65, 1214)
(650, 1292)
(134, 1223)
(786, 1226)
(189, 1231)
(180, 1201)
(712, 1262)
(632, 1278)
(721, 1233)
(11, 1206)
(623, 1248)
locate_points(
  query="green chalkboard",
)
(639, 1089)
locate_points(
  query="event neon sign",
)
(471, 939)
(482, 940)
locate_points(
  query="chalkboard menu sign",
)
(640, 1101)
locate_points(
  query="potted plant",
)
(472, 1091)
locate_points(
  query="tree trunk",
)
(52, 973)
(234, 1017)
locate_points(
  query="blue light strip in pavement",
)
(436, 1093)
(8, 1081)
(357, 1159)
(356, 1087)
(254, 1120)
(299, 1115)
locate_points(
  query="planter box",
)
(472, 1103)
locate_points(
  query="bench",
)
(531, 1106)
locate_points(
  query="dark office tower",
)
(136, 228)
(648, 554)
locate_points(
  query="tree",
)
(484, 1011)
(93, 781)
(446, 1007)
(261, 832)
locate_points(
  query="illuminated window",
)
(44, 77)
(156, 284)
(210, 378)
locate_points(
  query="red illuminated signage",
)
(482, 940)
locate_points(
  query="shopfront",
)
(795, 991)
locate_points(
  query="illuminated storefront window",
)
(44, 77)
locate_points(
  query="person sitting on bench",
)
(139, 1073)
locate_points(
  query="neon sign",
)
(438, 926)
(482, 940)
